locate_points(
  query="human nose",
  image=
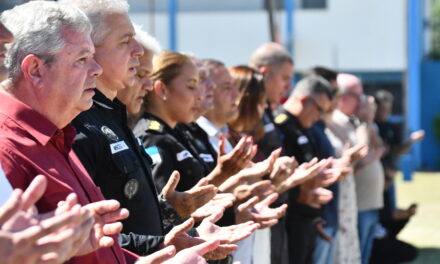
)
(96, 69)
(138, 51)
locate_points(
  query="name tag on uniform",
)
(269, 127)
(118, 147)
(183, 155)
(154, 154)
(206, 157)
(303, 140)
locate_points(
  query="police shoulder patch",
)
(280, 118)
(154, 125)
(154, 154)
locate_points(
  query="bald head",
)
(269, 54)
(349, 83)
(351, 90)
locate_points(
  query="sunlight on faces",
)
(68, 83)
(207, 87)
(314, 109)
(119, 53)
(182, 95)
(133, 95)
(278, 81)
(225, 95)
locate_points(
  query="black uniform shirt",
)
(195, 139)
(115, 160)
(272, 136)
(168, 154)
(297, 142)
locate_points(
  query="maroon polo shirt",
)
(31, 145)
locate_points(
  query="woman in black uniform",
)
(173, 99)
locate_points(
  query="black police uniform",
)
(300, 225)
(115, 160)
(268, 143)
(173, 149)
(168, 154)
(272, 136)
(195, 139)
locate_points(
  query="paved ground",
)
(424, 229)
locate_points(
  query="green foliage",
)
(435, 31)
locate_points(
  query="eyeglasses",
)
(318, 107)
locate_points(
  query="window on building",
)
(313, 4)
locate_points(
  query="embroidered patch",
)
(206, 157)
(303, 140)
(154, 154)
(183, 155)
(131, 188)
(118, 147)
(109, 133)
(269, 127)
(280, 118)
(154, 125)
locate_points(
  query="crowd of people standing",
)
(120, 152)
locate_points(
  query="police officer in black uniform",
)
(197, 141)
(310, 99)
(168, 153)
(115, 160)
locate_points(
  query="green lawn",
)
(423, 230)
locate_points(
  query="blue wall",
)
(430, 107)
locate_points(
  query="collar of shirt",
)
(38, 126)
(99, 99)
(208, 126)
(214, 133)
(340, 117)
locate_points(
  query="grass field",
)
(423, 230)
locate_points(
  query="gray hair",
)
(97, 11)
(383, 96)
(313, 85)
(269, 54)
(146, 40)
(37, 28)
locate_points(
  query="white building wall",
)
(354, 35)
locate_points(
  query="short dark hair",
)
(313, 85)
(325, 73)
(383, 96)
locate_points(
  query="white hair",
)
(37, 28)
(97, 11)
(146, 40)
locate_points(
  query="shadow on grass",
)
(427, 256)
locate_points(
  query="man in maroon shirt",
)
(52, 76)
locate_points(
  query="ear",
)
(160, 89)
(264, 69)
(31, 67)
(303, 99)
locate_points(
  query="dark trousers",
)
(278, 243)
(301, 232)
(390, 250)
